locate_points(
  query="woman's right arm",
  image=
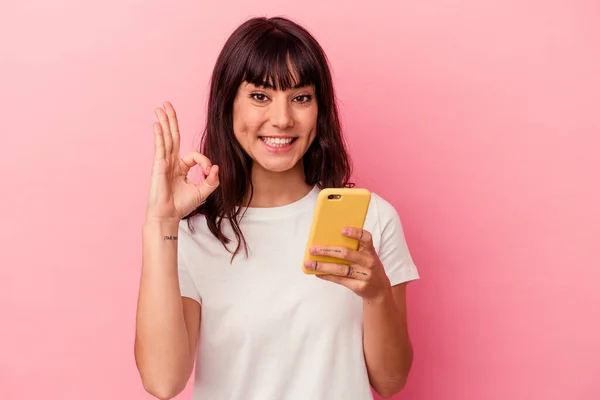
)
(167, 324)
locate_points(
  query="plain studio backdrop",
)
(478, 120)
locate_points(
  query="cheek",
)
(310, 124)
(246, 122)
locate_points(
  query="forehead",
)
(281, 68)
(270, 86)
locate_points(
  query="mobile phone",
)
(335, 210)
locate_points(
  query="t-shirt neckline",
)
(281, 211)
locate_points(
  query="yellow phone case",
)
(335, 210)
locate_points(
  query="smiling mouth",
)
(277, 142)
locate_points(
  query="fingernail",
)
(345, 231)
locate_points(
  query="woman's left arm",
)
(387, 348)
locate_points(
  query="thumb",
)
(210, 183)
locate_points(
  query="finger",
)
(212, 179)
(196, 158)
(164, 124)
(173, 126)
(210, 183)
(343, 270)
(159, 142)
(364, 237)
(352, 284)
(339, 252)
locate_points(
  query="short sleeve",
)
(187, 287)
(392, 247)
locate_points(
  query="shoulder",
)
(383, 220)
(390, 242)
(381, 211)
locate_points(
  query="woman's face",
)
(275, 127)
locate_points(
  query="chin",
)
(277, 165)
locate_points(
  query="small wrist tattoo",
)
(170, 237)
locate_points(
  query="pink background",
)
(478, 120)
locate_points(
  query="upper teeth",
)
(277, 141)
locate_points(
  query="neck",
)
(274, 189)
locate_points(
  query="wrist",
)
(161, 227)
(381, 299)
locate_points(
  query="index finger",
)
(338, 252)
(196, 158)
(364, 237)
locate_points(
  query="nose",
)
(281, 115)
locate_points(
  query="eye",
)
(259, 97)
(303, 99)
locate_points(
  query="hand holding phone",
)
(336, 209)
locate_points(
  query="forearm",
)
(387, 348)
(161, 344)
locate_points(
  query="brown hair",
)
(282, 52)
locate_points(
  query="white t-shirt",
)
(268, 331)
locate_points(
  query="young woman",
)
(222, 280)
